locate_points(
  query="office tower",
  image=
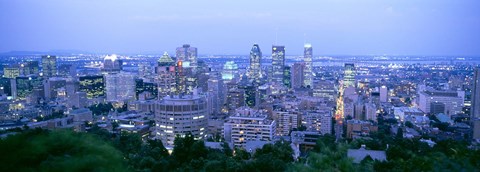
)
(180, 115)
(255, 69)
(475, 107)
(325, 89)
(297, 75)
(287, 76)
(216, 94)
(6, 86)
(145, 70)
(370, 111)
(383, 94)
(49, 65)
(78, 100)
(112, 64)
(188, 55)
(278, 63)
(165, 71)
(349, 75)
(92, 85)
(185, 78)
(30, 68)
(67, 70)
(230, 71)
(308, 72)
(248, 125)
(286, 122)
(24, 86)
(453, 101)
(235, 99)
(11, 72)
(149, 90)
(51, 85)
(120, 86)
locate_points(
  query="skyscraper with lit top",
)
(278, 63)
(307, 58)
(49, 65)
(255, 69)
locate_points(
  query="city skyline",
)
(444, 28)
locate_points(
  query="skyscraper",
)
(112, 63)
(49, 66)
(307, 58)
(349, 75)
(278, 63)
(120, 86)
(297, 75)
(475, 108)
(92, 85)
(188, 55)
(255, 70)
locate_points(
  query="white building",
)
(286, 121)
(248, 125)
(120, 86)
(383, 94)
(453, 101)
(180, 115)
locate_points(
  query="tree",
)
(60, 150)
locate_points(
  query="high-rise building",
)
(297, 75)
(325, 89)
(112, 64)
(216, 94)
(30, 68)
(165, 71)
(248, 125)
(308, 72)
(475, 107)
(349, 75)
(278, 63)
(11, 72)
(230, 71)
(255, 69)
(52, 85)
(286, 121)
(383, 94)
(287, 82)
(188, 55)
(180, 115)
(92, 85)
(24, 86)
(120, 86)
(49, 65)
(66, 70)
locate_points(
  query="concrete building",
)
(180, 115)
(248, 125)
(475, 107)
(297, 78)
(111, 63)
(453, 101)
(286, 121)
(358, 129)
(325, 89)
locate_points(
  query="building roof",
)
(359, 154)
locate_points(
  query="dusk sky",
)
(333, 27)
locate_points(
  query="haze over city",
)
(344, 27)
(240, 86)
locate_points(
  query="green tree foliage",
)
(101, 108)
(63, 150)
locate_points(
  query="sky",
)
(215, 27)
